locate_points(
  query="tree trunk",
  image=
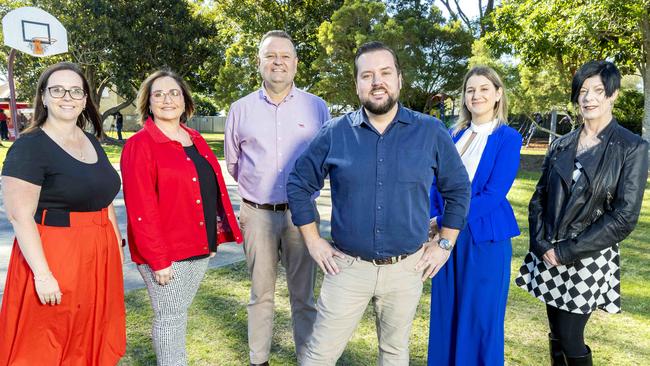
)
(109, 112)
(645, 72)
(646, 103)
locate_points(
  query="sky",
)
(470, 7)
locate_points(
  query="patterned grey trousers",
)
(170, 304)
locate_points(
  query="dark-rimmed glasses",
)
(59, 92)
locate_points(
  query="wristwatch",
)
(445, 244)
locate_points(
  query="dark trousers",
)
(4, 130)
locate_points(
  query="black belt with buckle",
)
(268, 206)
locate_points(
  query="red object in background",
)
(5, 105)
(10, 122)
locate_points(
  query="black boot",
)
(557, 355)
(584, 360)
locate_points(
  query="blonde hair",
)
(144, 95)
(500, 108)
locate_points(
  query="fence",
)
(215, 124)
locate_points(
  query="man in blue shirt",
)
(381, 161)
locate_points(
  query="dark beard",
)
(379, 109)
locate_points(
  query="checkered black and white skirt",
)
(580, 287)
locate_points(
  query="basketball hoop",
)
(39, 45)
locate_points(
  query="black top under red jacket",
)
(163, 199)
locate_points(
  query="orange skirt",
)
(89, 326)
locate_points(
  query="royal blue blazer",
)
(490, 216)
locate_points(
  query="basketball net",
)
(37, 47)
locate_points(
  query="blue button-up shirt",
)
(380, 182)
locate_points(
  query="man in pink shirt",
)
(265, 133)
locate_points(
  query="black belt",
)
(268, 206)
(59, 218)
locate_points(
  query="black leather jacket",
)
(602, 210)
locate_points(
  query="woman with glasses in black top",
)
(64, 297)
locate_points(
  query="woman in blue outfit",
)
(469, 294)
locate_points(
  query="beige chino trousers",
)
(395, 292)
(270, 237)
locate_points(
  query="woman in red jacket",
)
(177, 205)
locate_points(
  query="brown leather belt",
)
(387, 260)
(268, 206)
(379, 261)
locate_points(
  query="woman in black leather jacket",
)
(586, 202)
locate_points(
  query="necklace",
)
(76, 151)
(81, 151)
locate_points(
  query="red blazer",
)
(163, 199)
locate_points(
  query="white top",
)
(474, 151)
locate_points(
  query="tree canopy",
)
(559, 35)
(118, 43)
(433, 52)
(214, 44)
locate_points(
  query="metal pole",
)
(12, 91)
(551, 137)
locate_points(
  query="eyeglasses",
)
(159, 95)
(59, 92)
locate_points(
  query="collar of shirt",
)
(159, 137)
(265, 95)
(484, 128)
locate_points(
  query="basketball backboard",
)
(34, 31)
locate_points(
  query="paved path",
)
(227, 254)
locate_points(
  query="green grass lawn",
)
(217, 325)
(215, 140)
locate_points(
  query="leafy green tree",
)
(352, 25)
(204, 105)
(246, 21)
(433, 52)
(119, 42)
(477, 26)
(573, 32)
(628, 109)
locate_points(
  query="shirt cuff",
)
(160, 264)
(453, 221)
(303, 212)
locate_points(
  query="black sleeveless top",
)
(66, 183)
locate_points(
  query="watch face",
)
(444, 244)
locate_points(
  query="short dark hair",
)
(277, 34)
(372, 47)
(608, 72)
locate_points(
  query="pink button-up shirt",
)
(264, 139)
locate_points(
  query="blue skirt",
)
(468, 304)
